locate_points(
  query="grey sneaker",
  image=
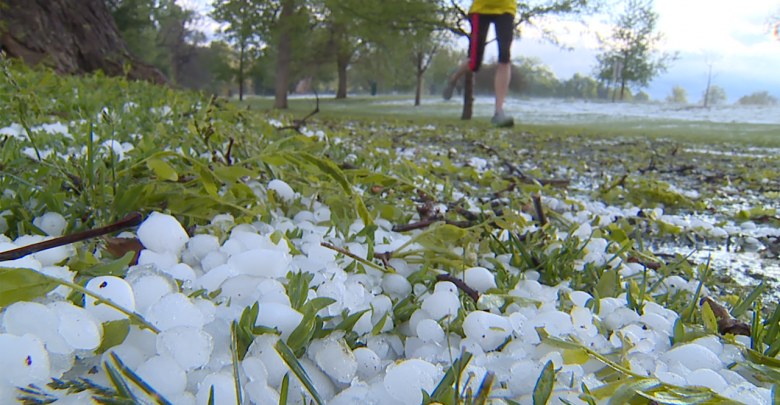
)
(501, 120)
(448, 90)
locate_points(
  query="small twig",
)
(227, 155)
(649, 265)
(356, 257)
(429, 222)
(539, 210)
(129, 221)
(460, 284)
(297, 124)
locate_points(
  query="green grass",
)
(367, 107)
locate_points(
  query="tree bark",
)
(418, 93)
(468, 96)
(71, 37)
(241, 73)
(342, 62)
(622, 88)
(707, 91)
(285, 54)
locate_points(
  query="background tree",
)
(631, 52)
(424, 49)
(241, 19)
(72, 37)
(710, 58)
(642, 97)
(758, 98)
(714, 95)
(679, 95)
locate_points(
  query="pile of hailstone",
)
(51, 338)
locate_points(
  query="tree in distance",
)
(758, 98)
(630, 55)
(714, 95)
(678, 96)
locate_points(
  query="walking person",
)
(501, 13)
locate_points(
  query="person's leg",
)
(505, 26)
(479, 30)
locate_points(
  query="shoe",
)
(448, 90)
(501, 120)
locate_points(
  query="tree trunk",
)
(707, 91)
(418, 93)
(285, 54)
(342, 61)
(622, 88)
(468, 96)
(70, 36)
(241, 73)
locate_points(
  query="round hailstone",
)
(213, 260)
(279, 316)
(441, 304)
(23, 360)
(263, 263)
(396, 285)
(30, 317)
(164, 375)
(130, 355)
(163, 261)
(263, 348)
(369, 365)
(490, 330)
(523, 377)
(480, 279)
(254, 369)
(149, 289)
(261, 394)
(430, 331)
(113, 288)
(283, 190)
(693, 357)
(161, 232)
(174, 310)
(579, 298)
(53, 223)
(200, 245)
(78, 327)
(707, 378)
(406, 380)
(54, 256)
(190, 347)
(224, 389)
(182, 272)
(337, 360)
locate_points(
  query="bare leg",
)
(503, 76)
(462, 69)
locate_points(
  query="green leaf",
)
(162, 170)
(231, 174)
(776, 394)
(114, 333)
(362, 211)
(119, 383)
(117, 267)
(544, 385)
(304, 332)
(23, 285)
(379, 325)
(629, 389)
(743, 306)
(450, 233)
(329, 168)
(607, 285)
(292, 362)
(298, 288)
(672, 398)
(679, 331)
(452, 374)
(578, 356)
(208, 182)
(126, 199)
(710, 321)
(349, 322)
(285, 388)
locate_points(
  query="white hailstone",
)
(396, 285)
(523, 376)
(381, 305)
(77, 326)
(620, 318)
(279, 316)
(369, 365)
(232, 247)
(174, 310)
(254, 369)
(693, 357)
(224, 389)
(263, 348)
(322, 214)
(718, 233)
(62, 273)
(441, 304)
(24, 317)
(711, 342)
(264, 263)
(273, 291)
(406, 380)
(212, 279)
(261, 394)
(707, 378)
(190, 347)
(748, 225)
(148, 289)
(363, 324)
(419, 289)
(657, 322)
(162, 261)
(671, 378)
(675, 283)
(164, 375)
(488, 329)
(430, 331)
(113, 288)
(181, 271)
(54, 256)
(282, 189)
(23, 360)
(200, 245)
(53, 223)
(480, 279)
(321, 254)
(579, 298)
(336, 359)
(355, 394)
(161, 232)
(130, 355)
(213, 260)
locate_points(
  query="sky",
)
(732, 34)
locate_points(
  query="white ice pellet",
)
(232, 247)
(190, 347)
(282, 189)
(261, 394)
(264, 263)
(23, 360)
(406, 380)
(693, 357)
(441, 304)
(213, 260)
(161, 232)
(149, 289)
(707, 378)
(429, 331)
(368, 363)
(254, 369)
(162, 261)
(523, 376)
(480, 279)
(200, 245)
(24, 317)
(282, 317)
(224, 389)
(77, 326)
(263, 348)
(174, 310)
(620, 318)
(113, 288)
(53, 223)
(490, 330)
(181, 271)
(54, 256)
(164, 375)
(579, 298)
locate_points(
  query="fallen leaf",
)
(120, 246)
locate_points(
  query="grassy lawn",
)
(367, 107)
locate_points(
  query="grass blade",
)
(484, 389)
(119, 383)
(292, 362)
(138, 381)
(285, 388)
(743, 306)
(234, 353)
(211, 395)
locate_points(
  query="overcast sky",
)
(733, 33)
